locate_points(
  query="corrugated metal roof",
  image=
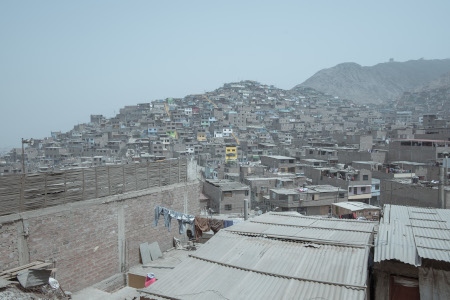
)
(428, 224)
(299, 220)
(355, 206)
(326, 263)
(334, 236)
(198, 279)
(410, 234)
(396, 242)
(299, 227)
(254, 260)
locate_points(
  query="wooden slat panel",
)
(130, 179)
(49, 189)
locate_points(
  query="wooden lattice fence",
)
(20, 193)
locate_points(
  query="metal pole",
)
(444, 196)
(446, 168)
(245, 209)
(390, 198)
(441, 203)
(23, 159)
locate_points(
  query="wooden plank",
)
(41, 266)
(22, 267)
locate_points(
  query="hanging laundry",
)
(235, 221)
(201, 225)
(168, 214)
(227, 223)
(215, 225)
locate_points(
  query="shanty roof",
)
(262, 259)
(227, 185)
(410, 234)
(279, 156)
(355, 206)
(301, 228)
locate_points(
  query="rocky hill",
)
(433, 97)
(384, 81)
(442, 82)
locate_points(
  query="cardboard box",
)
(136, 281)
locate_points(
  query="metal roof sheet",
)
(283, 220)
(324, 235)
(396, 242)
(432, 244)
(409, 234)
(299, 220)
(428, 224)
(325, 263)
(355, 206)
(436, 254)
(304, 258)
(432, 233)
(206, 280)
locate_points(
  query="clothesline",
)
(169, 214)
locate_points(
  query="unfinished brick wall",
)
(9, 256)
(92, 240)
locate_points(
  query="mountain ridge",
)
(378, 83)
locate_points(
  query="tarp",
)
(434, 284)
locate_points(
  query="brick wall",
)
(9, 256)
(396, 193)
(92, 240)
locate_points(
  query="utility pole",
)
(30, 142)
(442, 201)
(23, 159)
(445, 164)
(445, 183)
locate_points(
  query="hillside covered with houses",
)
(285, 149)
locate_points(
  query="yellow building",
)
(201, 137)
(231, 152)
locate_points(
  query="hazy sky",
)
(61, 61)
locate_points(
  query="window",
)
(363, 189)
(227, 206)
(283, 197)
(246, 192)
(350, 189)
(228, 194)
(365, 177)
(377, 186)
